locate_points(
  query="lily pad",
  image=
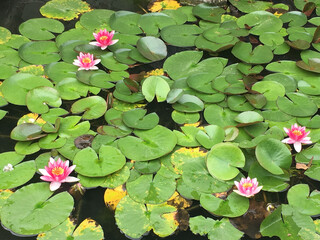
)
(26, 132)
(234, 206)
(223, 161)
(64, 9)
(137, 118)
(297, 104)
(181, 35)
(152, 48)
(155, 86)
(217, 115)
(252, 6)
(40, 52)
(189, 104)
(96, 19)
(41, 28)
(88, 228)
(5, 35)
(25, 211)
(248, 118)
(259, 55)
(125, 22)
(89, 164)
(149, 144)
(39, 98)
(208, 12)
(152, 22)
(269, 181)
(214, 228)
(93, 107)
(273, 155)
(300, 198)
(16, 87)
(211, 135)
(151, 190)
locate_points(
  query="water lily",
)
(247, 187)
(297, 136)
(104, 39)
(7, 168)
(57, 172)
(86, 62)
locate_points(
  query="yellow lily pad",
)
(64, 9)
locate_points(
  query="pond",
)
(188, 101)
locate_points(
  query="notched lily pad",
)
(137, 118)
(93, 107)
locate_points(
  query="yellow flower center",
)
(57, 171)
(247, 185)
(297, 132)
(86, 60)
(103, 38)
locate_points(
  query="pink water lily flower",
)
(297, 136)
(86, 62)
(247, 187)
(57, 172)
(104, 39)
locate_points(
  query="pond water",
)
(13, 13)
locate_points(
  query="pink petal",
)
(114, 41)
(44, 172)
(94, 43)
(71, 179)
(297, 146)
(46, 178)
(54, 185)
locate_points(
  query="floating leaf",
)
(211, 135)
(149, 144)
(94, 107)
(234, 206)
(110, 160)
(96, 19)
(152, 48)
(223, 160)
(40, 52)
(40, 28)
(64, 9)
(208, 12)
(273, 155)
(125, 22)
(155, 86)
(259, 55)
(25, 212)
(137, 118)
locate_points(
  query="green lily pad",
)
(294, 18)
(187, 137)
(252, 6)
(26, 132)
(223, 160)
(202, 43)
(25, 211)
(152, 22)
(217, 115)
(183, 118)
(260, 22)
(88, 228)
(269, 181)
(248, 69)
(147, 167)
(39, 98)
(181, 35)
(57, 71)
(74, 34)
(70, 127)
(149, 144)
(41, 28)
(5, 35)
(297, 104)
(234, 206)
(96, 19)
(208, 12)
(248, 118)
(7, 71)
(211, 135)
(256, 100)
(131, 217)
(300, 198)
(20, 174)
(26, 148)
(9, 56)
(137, 118)
(89, 164)
(52, 141)
(125, 22)
(64, 9)
(16, 41)
(151, 190)
(93, 107)
(202, 81)
(155, 86)
(239, 103)
(286, 223)
(40, 52)
(152, 48)
(259, 55)
(111, 63)
(185, 63)
(174, 95)
(273, 155)
(16, 87)
(222, 229)
(189, 104)
(289, 83)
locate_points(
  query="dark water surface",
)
(12, 14)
